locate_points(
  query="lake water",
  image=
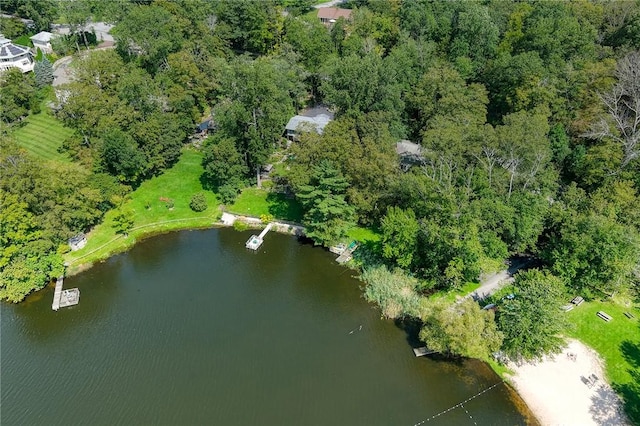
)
(192, 328)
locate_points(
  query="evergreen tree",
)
(43, 71)
(327, 214)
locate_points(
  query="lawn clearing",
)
(43, 135)
(150, 206)
(450, 296)
(363, 235)
(617, 342)
(257, 202)
(23, 40)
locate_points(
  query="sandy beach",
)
(569, 389)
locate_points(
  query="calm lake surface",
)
(192, 328)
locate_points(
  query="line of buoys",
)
(460, 404)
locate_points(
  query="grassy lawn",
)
(617, 342)
(451, 295)
(363, 235)
(151, 214)
(257, 202)
(43, 135)
(23, 40)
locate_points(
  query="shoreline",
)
(537, 404)
(76, 266)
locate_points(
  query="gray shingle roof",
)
(42, 37)
(319, 122)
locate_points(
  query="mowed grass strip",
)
(607, 337)
(257, 202)
(616, 341)
(43, 135)
(151, 212)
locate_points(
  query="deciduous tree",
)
(532, 321)
(462, 329)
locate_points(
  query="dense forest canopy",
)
(527, 116)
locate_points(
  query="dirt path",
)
(495, 282)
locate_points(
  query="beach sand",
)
(559, 392)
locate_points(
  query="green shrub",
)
(393, 291)
(198, 202)
(238, 225)
(228, 193)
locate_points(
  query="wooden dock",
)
(348, 253)
(57, 293)
(255, 241)
(63, 298)
(422, 351)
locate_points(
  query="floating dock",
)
(255, 241)
(422, 351)
(63, 298)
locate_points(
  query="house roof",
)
(333, 13)
(9, 50)
(318, 122)
(42, 37)
(316, 111)
(405, 147)
(77, 238)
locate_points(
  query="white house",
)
(42, 41)
(15, 56)
(77, 242)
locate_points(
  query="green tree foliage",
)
(310, 39)
(42, 12)
(256, 107)
(12, 28)
(123, 221)
(224, 168)
(533, 320)
(120, 156)
(77, 14)
(460, 330)
(361, 149)
(41, 206)
(393, 291)
(43, 71)
(356, 85)
(474, 37)
(148, 34)
(327, 215)
(399, 235)
(18, 94)
(122, 119)
(247, 27)
(594, 243)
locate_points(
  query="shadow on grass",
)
(285, 208)
(630, 391)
